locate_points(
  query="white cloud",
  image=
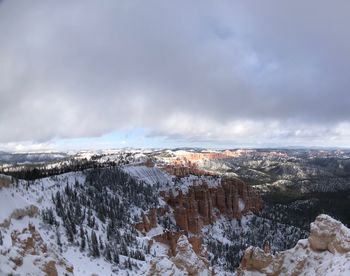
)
(244, 72)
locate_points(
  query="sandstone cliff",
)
(199, 206)
(185, 262)
(203, 204)
(325, 252)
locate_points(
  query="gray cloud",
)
(227, 70)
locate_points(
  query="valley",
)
(163, 212)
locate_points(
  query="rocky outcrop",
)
(255, 259)
(30, 211)
(329, 234)
(202, 204)
(325, 252)
(170, 238)
(180, 170)
(163, 266)
(5, 181)
(194, 157)
(28, 252)
(185, 262)
(148, 222)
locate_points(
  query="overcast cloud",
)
(243, 72)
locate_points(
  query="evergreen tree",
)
(108, 254)
(82, 238)
(101, 243)
(58, 237)
(116, 257)
(1, 239)
(94, 245)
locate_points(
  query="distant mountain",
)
(20, 158)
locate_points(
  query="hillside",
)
(144, 212)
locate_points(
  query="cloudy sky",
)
(114, 73)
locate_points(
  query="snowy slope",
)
(39, 193)
(150, 175)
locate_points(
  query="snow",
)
(241, 204)
(10, 201)
(149, 175)
(39, 194)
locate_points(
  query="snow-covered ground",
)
(39, 193)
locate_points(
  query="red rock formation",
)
(170, 238)
(149, 221)
(191, 158)
(184, 169)
(149, 163)
(28, 248)
(201, 205)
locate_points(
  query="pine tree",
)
(1, 240)
(116, 257)
(58, 237)
(101, 243)
(82, 238)
(108, 253)
(94, 245)
(129, 264)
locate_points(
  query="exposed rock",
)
(28, 247)
(149, 221)
(30, 211)
(325, 252)
(200, 205)
(5, 181)
(180, 170)
(162, 266)
(255, 259)
(169, 238)
(185, 262)
(328, 234)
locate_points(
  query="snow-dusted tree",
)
(82, 238)
(95, 252)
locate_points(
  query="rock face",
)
(255, 259)
(325, 252)
(162, 266)
(5, 181)
(30, 211)
(202, 204)
(328, 234)
(180, 171)
(185, 262)
(28, 252)
(149, 221)
(171, 238)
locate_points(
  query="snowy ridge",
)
(150, 175)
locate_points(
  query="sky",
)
(130, 73)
